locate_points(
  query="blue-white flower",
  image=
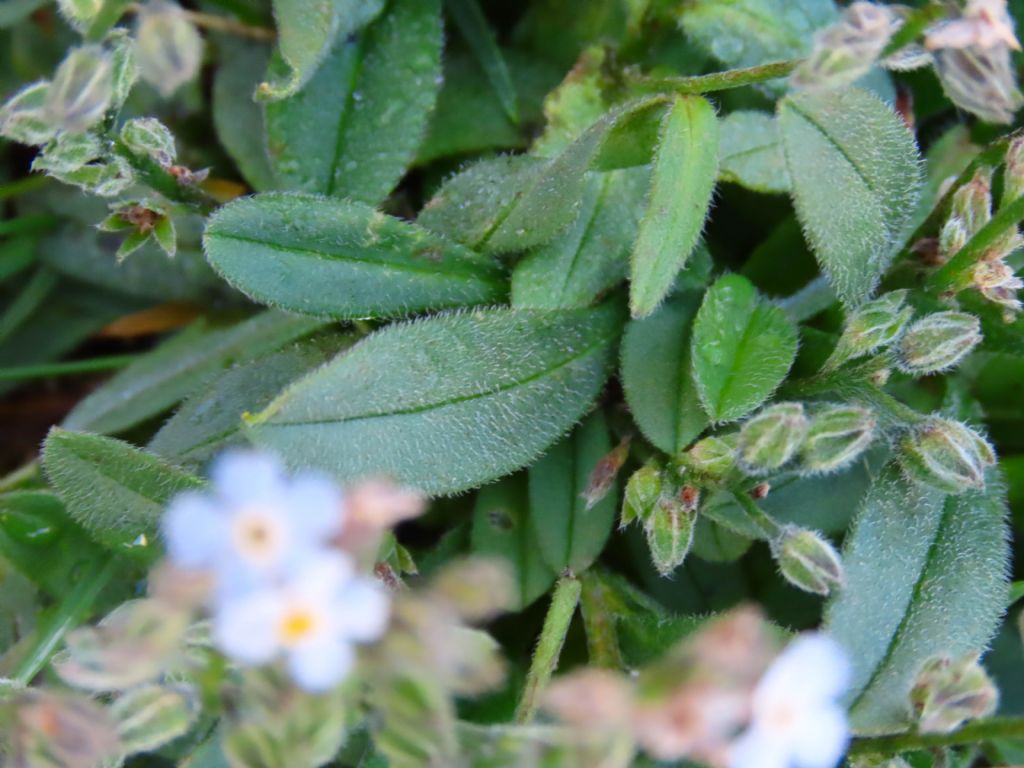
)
(256, 525)
(796, 720)
(313, 620)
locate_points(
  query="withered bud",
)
(949, 692)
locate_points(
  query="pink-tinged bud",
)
(62, 729)
(771, 438)
(972, 203)
(981, 81)
(949, 692)
(845, 51)
(998, 283)
(808, 561)
(602, 478)
(952, 238)
(946, 454)
(938, 342)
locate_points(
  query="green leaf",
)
(180, 366)
(742, 349)
(211, 420)
(855, 174)
(354, 128)
(504, 529)
(682, 180)
(571, 536)
(478, 36)
(114, 490)
(590, 257)
(745, 33)
(751, 152)
(513, 203)
(306, 30)
(342, 259)
(926, 574)
(657, 375)
(446, 403)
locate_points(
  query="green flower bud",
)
(938, 341)
(642, 492)
(23, 118)
(149, 137)
(124, 70)
(946, 454)
(81, 90)
(771, 438)
(712, 459)
(669, 528)
(972, 203)
(949, 692)
(808, 561)
(837, 435)
(872, 326)
(953, 237)
(168, 47)
(151, 716)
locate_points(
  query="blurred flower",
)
(796, 720)
(314, 620)
(984, 23)
(949, 692)
(998, 283)
(256, 525)
(168, 46)
(847, 49)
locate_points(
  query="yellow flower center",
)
(257, 535)
(297, 625)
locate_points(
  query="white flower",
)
(256, 524)
(314, 619)
(796, 721)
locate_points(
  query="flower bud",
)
(23, 118)
(948, 692)
(602, 478)
(972, 203)
(946, 454)
(872, 326)
(149, 137)
(150, 716)
(998, 283)
(124, 70)
(847, 49)
(938, 341)
(807, 561)
(769, 439)
(669, 528)
(953, 237)
(61, 729)
(642, 492)
(168, 47)
(1013, 174)
(837, 435)
(81, 90)
(712, 459)
(980, 80)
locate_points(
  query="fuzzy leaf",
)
(657, 375)
(354, 128)
(589, 257)
(742, 349)
(926, 574)
(342, 259)
(503, 528)
(855, 175)
(570, 535)
(751, 152)
(172, 371)
(446, 403)
(682, 180)
(114, 490)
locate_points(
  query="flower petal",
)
(193, 530)
(365, 609)
(320, 667)
(812, 669)
(820, 739)
(248, 477)
(316, 507)
(757, 749)
(245, 629)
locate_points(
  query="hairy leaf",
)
(446, 403)
(855, 175)
(342, 259)
(742, 349)
(751, 152)
(657, 375)
(354, 128)
(926, 574)
(114, 490)
(180, 366)
(682, 180)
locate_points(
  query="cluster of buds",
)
(945, 454)
(667, 510)
(949, 692)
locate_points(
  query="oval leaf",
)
(855, 173)
(752, 153)
(447, 403)
(926, 574)
(742, 349)
(342, 259)
(683, 178)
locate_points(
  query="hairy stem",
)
(719, 81)
(982, 730)
(549, 647)
(599, 623)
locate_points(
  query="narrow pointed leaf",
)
(478, 36)
(682, 180)
(342, 259)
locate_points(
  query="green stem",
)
(982, 730)
(23, 185)
(29, 223)
(757, 516)
(20, 373)
(24, 475)
(64, 617)
(599, 623)
(549, 647)
(953, 275)
(815, 297)
(719, 81)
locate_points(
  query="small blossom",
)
(314, 620)
(256, 525)
(796, 719)
(984, 23)
(998, 283)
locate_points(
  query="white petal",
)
(813, 668)
(821, 738)
(320, 667)
(323, 575)
(364, 610)
(245, 629)
(315, 507)
(756, 749)
(193, 530)
(248, 477)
